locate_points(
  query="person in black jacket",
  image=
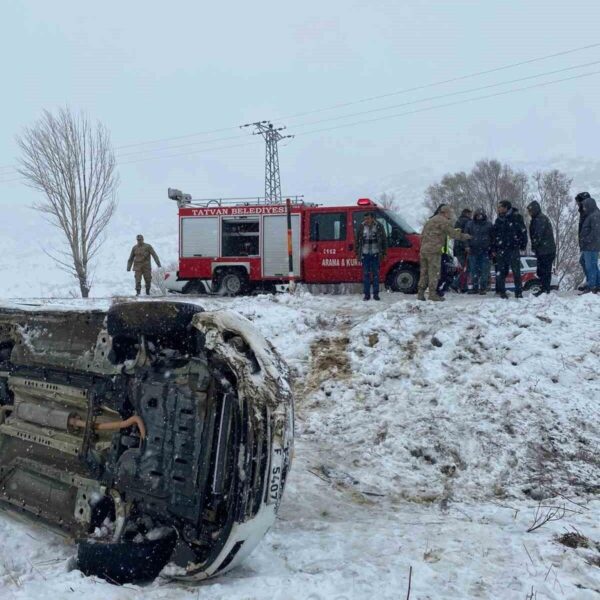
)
(542, 244)
(478, 247)
(509, 240)
(589, 243)
(579, 201)
(460, 249)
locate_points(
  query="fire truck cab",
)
(234, 246)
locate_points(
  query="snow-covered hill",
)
(428, 436)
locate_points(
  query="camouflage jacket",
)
(435, 232)
(139, 258)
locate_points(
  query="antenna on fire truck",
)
(271, 136)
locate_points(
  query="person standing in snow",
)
(542, 245)
(433, 238)
(139, 259)
(479, 246)
(579, 201)
(371, 247)
(589, 243)
(509, 239)
(460, 249)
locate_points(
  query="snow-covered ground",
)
(428, 435)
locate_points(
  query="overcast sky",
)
(153, 70)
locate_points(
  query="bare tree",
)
(388, 201)
(493, 181)
(553, 192)
(454, 189)
(489, 182)
(73, 164)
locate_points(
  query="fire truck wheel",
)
(231, 283)
(404, 279)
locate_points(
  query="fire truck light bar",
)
(365, 202)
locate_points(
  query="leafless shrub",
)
(73, 164)
(546, 514)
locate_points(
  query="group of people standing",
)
(478, 241)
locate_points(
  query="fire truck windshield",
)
(398, 220)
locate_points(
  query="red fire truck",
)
(237, 245)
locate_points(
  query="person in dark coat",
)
(589, 243)
(579, 200)
(542, 245)
(460, 248)
(509, 240)
(478, 247)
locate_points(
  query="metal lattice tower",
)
(272, 136)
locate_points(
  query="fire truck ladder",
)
(187, 200)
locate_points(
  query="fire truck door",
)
(328, 251)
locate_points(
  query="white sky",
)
(152, 70)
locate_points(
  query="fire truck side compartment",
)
(274, 245)
(199, 237)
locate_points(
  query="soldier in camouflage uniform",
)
(139, 259)
(433, 239)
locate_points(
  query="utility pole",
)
(272, 135)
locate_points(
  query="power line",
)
(363, 121)
(129, 162)
(450, 94)
(444, 81)
(351, 103)
(426, 109)
(137, 152)
(428, 99)
(179, 137)
(437, 106)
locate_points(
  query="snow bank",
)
(465, 401)
(425, 435)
